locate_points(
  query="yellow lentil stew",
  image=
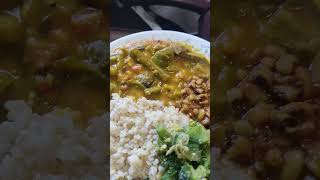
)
(157, 70)
(54, 54)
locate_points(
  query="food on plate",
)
(197, 99)
(137, 132)
(133, 136)
(266, 100)
(168, 71)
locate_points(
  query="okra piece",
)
(141, 58)
(152, 90)
(163, 56)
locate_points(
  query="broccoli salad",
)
(184, 152)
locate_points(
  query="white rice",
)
(133, 136)
(50, 146)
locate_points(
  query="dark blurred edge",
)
(211, 37)
(107, 100)
(211, 18)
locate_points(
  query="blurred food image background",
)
(53, 111)
(266, 99)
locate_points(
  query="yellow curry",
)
(155, 70)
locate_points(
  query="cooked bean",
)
(201, 114)
(253, 94)
(259, 167)
(189, 91)
(6, 80)
(199, 90)
(274, 158)
(205, 102)
(241, 74)
(286, 63)
(195, 111)
(274, 51)
(293, 165)
(268, 61)
(199, 81)
(241, 150)
(206, 121)
(11, 30)
(234, 94)
(262, 76)
(315, 69)
(281, 141)
(243, 128)
(313, 165)
(303, 130)
(259, 115)
(281, 79)
(287, 93)
(219, 133)
(32, 12)
(304, 75)
(196, 99)
(124, 87)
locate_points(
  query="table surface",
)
(125, 21)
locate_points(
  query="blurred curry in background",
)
(54, 53)
(266, 96)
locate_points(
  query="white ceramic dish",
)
(197, 43)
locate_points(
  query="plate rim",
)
(196, 42)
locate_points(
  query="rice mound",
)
(50, 146)
(133, 136)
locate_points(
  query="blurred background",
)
(130, 16)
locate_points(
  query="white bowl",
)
(197, 43)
